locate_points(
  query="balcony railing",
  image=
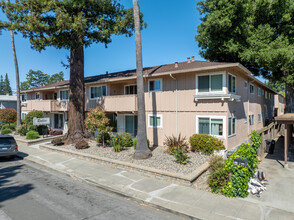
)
(45, 105)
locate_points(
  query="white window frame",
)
(97, 98)
(36, 95)
(212, 117)
(250, 89)
(258, 91)
(252, 116)
(246, 84)
(223, 91)
(246, 119)
(158, 90)
(64, 100)
(235, 83)
(155, 115)
(259, 118)
(26, 95)
(233, 134)
(129, 85)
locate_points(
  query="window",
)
(23, 115)
(155, 121)
(210, 125)
(259, 92)
(37, 95)
(251, 119)
(97, 91)
(265, 95)
(232, 126)
(24, 97)
(259, 118)
(246, 119)
(251, 89)
(130, 89)
(155, 85)
(63, 95)
(210, 83)
(232, 84)
(246, 84)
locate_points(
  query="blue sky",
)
(169, 37)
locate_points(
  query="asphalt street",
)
(29, 191)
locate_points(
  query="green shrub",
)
(240, 175)
(31, 115)
(32, 128)
(255, 139)
(126, 139)
(205, 143)
(181, 155)
(42, 129)
(6, 131)
(106, 137)
(11, 126)
(218, 176)
(6, 126)
(31, 135)
(135, 143)
(22, 130)
(117, 148)
(173, 143)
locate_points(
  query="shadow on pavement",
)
(10, 189)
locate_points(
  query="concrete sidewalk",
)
(157, 193)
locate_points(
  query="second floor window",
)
(251, 119)
(64, 94)
(210, 83)
(232, 84)
(97, 91)
(37, 95)
(24, 97)
(251, 89)
(155, 85)
(131, 89)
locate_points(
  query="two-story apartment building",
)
(221, 99)
(8, 101)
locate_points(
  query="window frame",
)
(64, 100)
(36, 96)
(26, 95)
(155, 115)
(99, 97)
(259, 118)
(246, 84)
(251, 85)
(223, 91)
(125, 86)
(230, 74)
(23, 114)
(235, 133)
(246, 119)
(251, 121)
(258, 91)
(157, 90)
(212, 117)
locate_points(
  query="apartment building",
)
(220, 99)
(8, 101)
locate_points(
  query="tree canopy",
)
(5, 87)
(36, 78)
(258, 33)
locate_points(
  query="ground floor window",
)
(232, 126)
(131, 124)
(210, 125)
(251, 119)
(58, 121)
(259, 118)
(23, 115)
(155, 121)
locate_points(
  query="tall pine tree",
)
(1, 85)
(6, 88)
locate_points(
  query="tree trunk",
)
(18, 105)
(76, 105)
(289, 98)
(142, 150)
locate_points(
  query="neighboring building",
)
(221, 99)
(280, 104)
(8, 101)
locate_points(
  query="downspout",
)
(176, 103)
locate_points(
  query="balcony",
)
(45, 105)
(117, 103)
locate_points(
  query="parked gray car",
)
(8, 146)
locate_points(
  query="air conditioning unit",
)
(23, 104)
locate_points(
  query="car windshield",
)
(5, 141)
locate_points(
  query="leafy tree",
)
(258, 33)
(73, 25)
(1, 85)
(98, 121)
(7, 115)
(36, 78)
(277, 86)
(6, 87)
(142, 150)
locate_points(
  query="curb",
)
(109, 189)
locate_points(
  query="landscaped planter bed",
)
(161, 164)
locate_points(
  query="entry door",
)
(58, 121)
(131, 124)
